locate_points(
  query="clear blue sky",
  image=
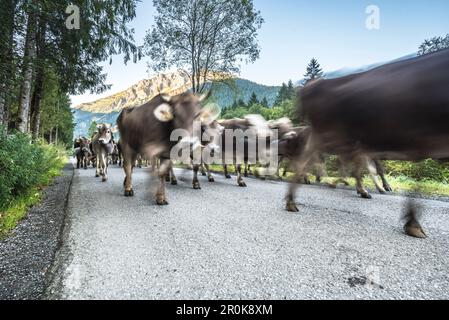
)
(333, 31)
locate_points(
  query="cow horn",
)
(166, 97)
(205, 96)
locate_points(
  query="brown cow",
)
(253, 124)
(82, 152)
(102, 146)
(147, 129)
(399, 111)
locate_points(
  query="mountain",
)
(108, 109)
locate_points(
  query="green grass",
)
(19, 207)
(398, 183)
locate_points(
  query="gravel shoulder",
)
(26, 256)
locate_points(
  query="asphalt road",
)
(227, 242)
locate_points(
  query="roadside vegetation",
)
(25, 169)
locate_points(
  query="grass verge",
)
(398, 183)
(19, 206)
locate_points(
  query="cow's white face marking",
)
(164, 112)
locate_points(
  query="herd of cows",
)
(398, 111)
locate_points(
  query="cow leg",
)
(226, 173)
(195, 182)
(209, 174)
(299, 165)
(412, 227)
(240, 182)
(78, 160)
(381, 172)
(373, 174)
(245, 173)
(203, 171)
(97, 165)
(104, 167)
(161, 198)
(129, 158)
(358, 174)
(173, 179)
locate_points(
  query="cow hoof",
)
(161, 202)
(104, 179)
(174, 182)
(291, 206)
(242, 184)
(196, 186)
(365, 195)
(129, 193)
(97, 175)
(228, 176)
(415, 231)
(388, 189)
(203, 174)
(211, 179)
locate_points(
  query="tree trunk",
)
(36, 104)
(7, 47)
(39, 83)
(27, 73)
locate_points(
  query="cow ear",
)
(99, 126)
(164, 112)
(209, 113)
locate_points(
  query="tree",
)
(433, 45)
(313, 71)
(205, 38)
(253, 99)
(92, 129)
(264, 102)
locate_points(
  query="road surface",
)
(227, 242)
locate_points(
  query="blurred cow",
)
(399, 111)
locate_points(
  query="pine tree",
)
(253, 100)
(282, 94)
(264, 102)
(313, 71)
(290, 90)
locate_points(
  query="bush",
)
(24, 165)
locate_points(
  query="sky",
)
(332, 31)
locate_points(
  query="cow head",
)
(105, 133)
(182, 111)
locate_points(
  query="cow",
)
(103, 147)
(82, 152)
(254, 125)
(398, 111)
(147, 130)
(115, 155)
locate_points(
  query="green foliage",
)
(203, 36)
(427, 170)
(24, 165)
(313, 71)
(433, 45)
(287, 92)
(92, 128)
